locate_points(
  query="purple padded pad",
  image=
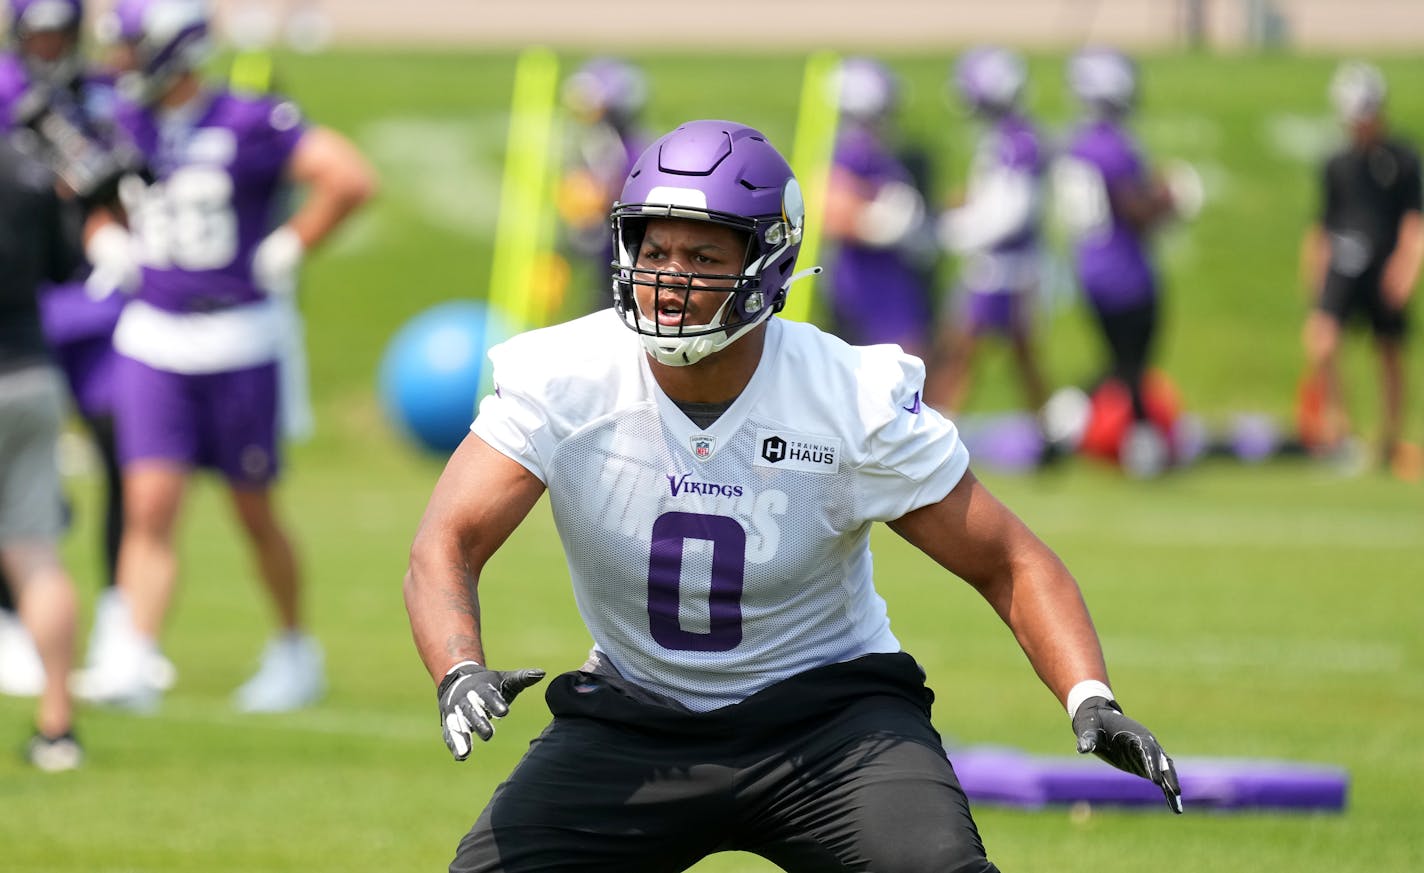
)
(1010, 777)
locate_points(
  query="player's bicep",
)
(480, 498)
(324, 157)
(970, 533)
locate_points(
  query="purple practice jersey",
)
(1015, 148)
(997, 228)
(218, 191)
(1112, 259)
(878, 294)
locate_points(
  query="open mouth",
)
(671, 309)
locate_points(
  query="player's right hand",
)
(472, 696)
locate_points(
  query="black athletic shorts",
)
(836, 769)
(1347, 297)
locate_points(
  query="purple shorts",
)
(1005, 313)
(89, 366)
(222, 421)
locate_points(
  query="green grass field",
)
(1268, 611)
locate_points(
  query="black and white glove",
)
(472, 696)
(1102, 729)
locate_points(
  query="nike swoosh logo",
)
(913, 408)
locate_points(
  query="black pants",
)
(1130, 335)
(837, 769)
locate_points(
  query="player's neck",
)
(717, 378)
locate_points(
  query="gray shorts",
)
(31, 413)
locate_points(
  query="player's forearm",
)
(1042, 605)
(324, 210)
(1402, 269)
(337, 180)
(442, 601)
(1144, 206)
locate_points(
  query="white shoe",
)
(120, 673)
(1144, 453)
(290, 677)
(111, 621)
(21, 673)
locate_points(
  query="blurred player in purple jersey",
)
(200, 339)
(35, 248)
(605, 99)
(996, 231)
(44, 80)
(1113, 203)
(876, 219)
(715, 473)
(1362, 257)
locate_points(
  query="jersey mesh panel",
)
(806, 596)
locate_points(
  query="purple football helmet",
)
(606, 89)
(1104, 80)
(29, 17)
(990, 80)
(865, 90)
(169, 38)
(728, 174)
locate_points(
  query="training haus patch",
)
(783, 450)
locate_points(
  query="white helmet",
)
(1104, 80)
(1357, 91)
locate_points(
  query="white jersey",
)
(709, 564)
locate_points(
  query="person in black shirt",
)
(1362, 257)
(61, 110)
(35, 248)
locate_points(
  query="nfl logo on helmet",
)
(702, 446)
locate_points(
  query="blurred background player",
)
(1362, 258)
(200, 340)
(881, 267)
(996, 231)
(43, 74)
(605, 99)
(1113, 203)
(35, 250)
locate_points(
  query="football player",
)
(1362, 256)
(714, 473)
(605, 98)
(875, 216)
(200, 338)
(1113, 203)
(996, 231)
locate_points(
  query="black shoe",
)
(54, 754)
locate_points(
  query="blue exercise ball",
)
(434, 372)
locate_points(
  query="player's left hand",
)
(1102, 729)
(276, 260)
(472, 696)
